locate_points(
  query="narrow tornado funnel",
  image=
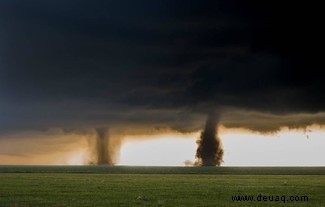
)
(102, 146)
(209, 151)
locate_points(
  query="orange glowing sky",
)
(242, 148)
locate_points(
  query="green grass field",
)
(158, 186)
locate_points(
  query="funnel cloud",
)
(103, 149)
(210, 151)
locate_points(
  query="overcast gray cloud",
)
(156, 65)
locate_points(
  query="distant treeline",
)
(103, 169)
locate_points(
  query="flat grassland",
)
(160, 186)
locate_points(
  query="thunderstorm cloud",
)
(144, 66)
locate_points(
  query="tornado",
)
(103, 149)
(102, 137)
(209, 151)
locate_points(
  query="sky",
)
(70, 70)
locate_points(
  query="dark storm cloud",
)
(156, 63)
